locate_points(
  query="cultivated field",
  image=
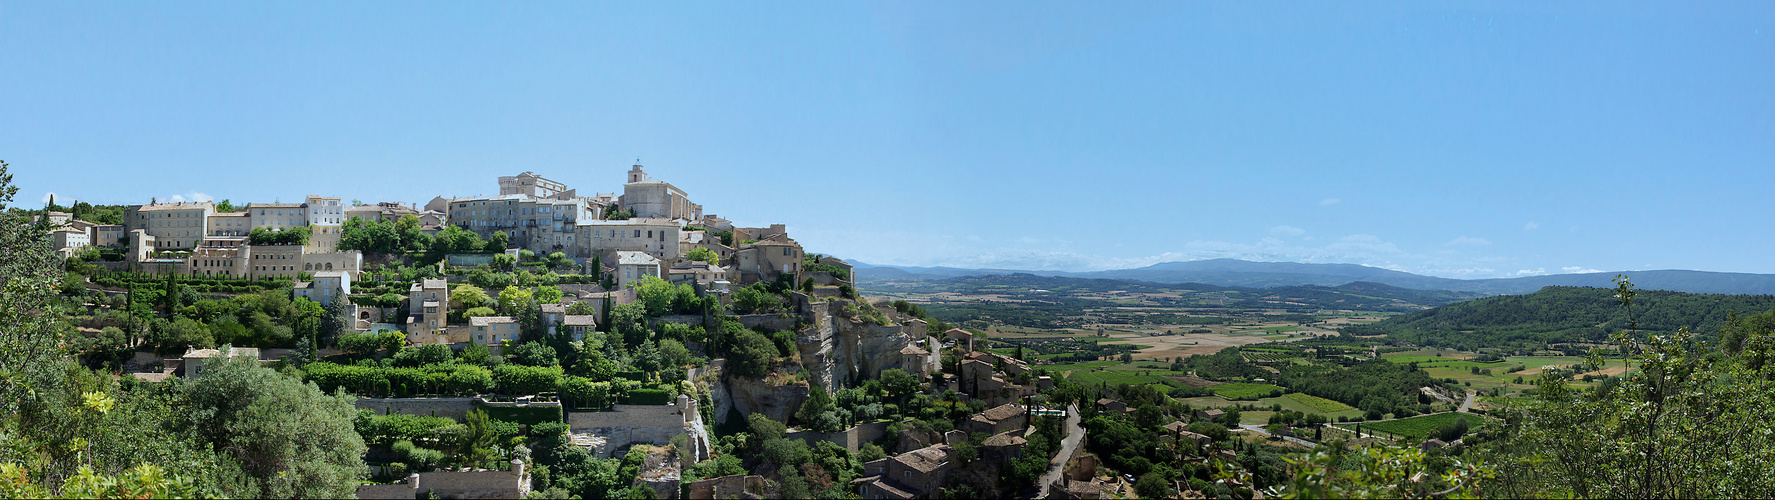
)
(1421, 426)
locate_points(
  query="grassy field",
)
(1244, 390)
(1450, 366)
(1112, 378)
(1317, 403)
(1419, 427)
(1207, 402)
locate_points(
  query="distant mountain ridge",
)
(1242, 273)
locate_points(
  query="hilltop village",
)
(692, 357)
(542, 344)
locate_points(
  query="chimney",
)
(413, 481)
(518, 468)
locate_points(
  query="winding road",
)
(1075, 435)
(1468, 404)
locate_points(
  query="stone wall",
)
(456, 408)
(476, 484)
(682, 319)
(850, 438)
(735, 486)
(769, 322)
(624, 425)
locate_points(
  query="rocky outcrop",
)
(748, 396)
(840, 351)
(837, 350)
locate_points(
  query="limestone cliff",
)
(841, 349)
(838, 347)
(749, 395)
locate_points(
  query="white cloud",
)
(1579, 270)
(1330, 201)
(1287, 231)
(1468, 241)
(1532, 272)
(191, 196)
(1531, 226)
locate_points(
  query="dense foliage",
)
(1560, 315)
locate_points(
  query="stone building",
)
(277, 216)
(491, 330)
(326, 287)
(914, 474)
(632, 267)
(532, 185)
(647, 197)
(173, 225)
(579, 325)
(229, 224)
(1002, 418)
(541, 225)
(107, 235)
(764, 260)
(67, 241)
(605, 238)
(428, 305)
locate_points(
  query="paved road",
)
(1259, 429)
(1467, 404)
(1074, 436)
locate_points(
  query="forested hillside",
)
(1562, 314)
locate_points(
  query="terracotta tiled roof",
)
(1002, 412)
(925, 459)
(1004, 439)
(491, 320)
(579, 320)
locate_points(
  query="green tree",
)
(629, 322)
(817, 402)
(548, 295)
(898, 383)
(511, 296)
(498, 242)
(703, 254)
(764, 428)
(752, 354)
(360, 343)
(534, 354)
(478, 442)
(467, 296)
(673, 354)
(655, 294)
(280, 438)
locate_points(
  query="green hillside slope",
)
(1561, 314)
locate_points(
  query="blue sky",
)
(1453, 139)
